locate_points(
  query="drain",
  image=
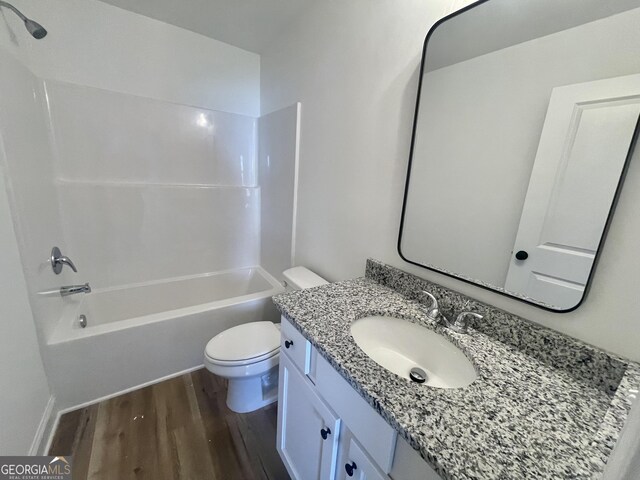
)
(82, 320)
(418, 375)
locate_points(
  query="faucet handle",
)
(58, 261)
(433, 310)
(461, 325)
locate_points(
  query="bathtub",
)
(139, 334)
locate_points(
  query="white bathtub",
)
(141, 333)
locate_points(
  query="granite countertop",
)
(544, 405)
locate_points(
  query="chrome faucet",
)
(433, 311)
(58, 261)
(75, 289)
(459, 325)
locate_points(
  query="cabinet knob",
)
(288, 343)
(324, 433)
(350, 467)
(522, 255)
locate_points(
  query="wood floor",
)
(177, 429)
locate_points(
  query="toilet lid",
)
(245, 342)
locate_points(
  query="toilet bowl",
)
(248, 355)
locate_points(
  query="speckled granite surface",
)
(544, 406)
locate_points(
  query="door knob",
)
(324, 433)
(288, 343)
(350, 467)
(522, 255)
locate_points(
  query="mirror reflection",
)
(523, 132)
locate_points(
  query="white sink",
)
(400, 345)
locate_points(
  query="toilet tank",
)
(300, 278)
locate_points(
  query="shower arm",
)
(36, 30)
(14, 10)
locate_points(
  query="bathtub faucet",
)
(74, 289)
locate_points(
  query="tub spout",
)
(74, 289)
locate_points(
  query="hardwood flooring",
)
(178, 429)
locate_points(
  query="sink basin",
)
(400, 346)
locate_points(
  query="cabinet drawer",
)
(375, 435)
(295, 346)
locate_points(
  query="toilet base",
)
(245, 395)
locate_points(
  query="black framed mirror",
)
(526, 121)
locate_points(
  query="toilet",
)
(247, 355)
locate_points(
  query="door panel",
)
(582, 152)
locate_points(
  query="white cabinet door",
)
(358, 418)
(307, 429)
(354, 463)
(583, 148)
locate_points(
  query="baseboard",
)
(45, 423)
(50, 434)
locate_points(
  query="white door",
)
(307, 429)
(583, 147)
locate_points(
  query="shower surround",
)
(159, 206)
(150, 189)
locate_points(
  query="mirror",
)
(526, 121)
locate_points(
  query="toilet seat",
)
(239, 363)
(244, 344)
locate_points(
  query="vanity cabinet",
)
(327, 431)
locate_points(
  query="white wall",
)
(95, 44)
(353, 65)
(277, 167)
(485, 171)
(25, 392)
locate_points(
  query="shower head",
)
(34, 28)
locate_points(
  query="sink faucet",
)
(459, 325)
(75, 289)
